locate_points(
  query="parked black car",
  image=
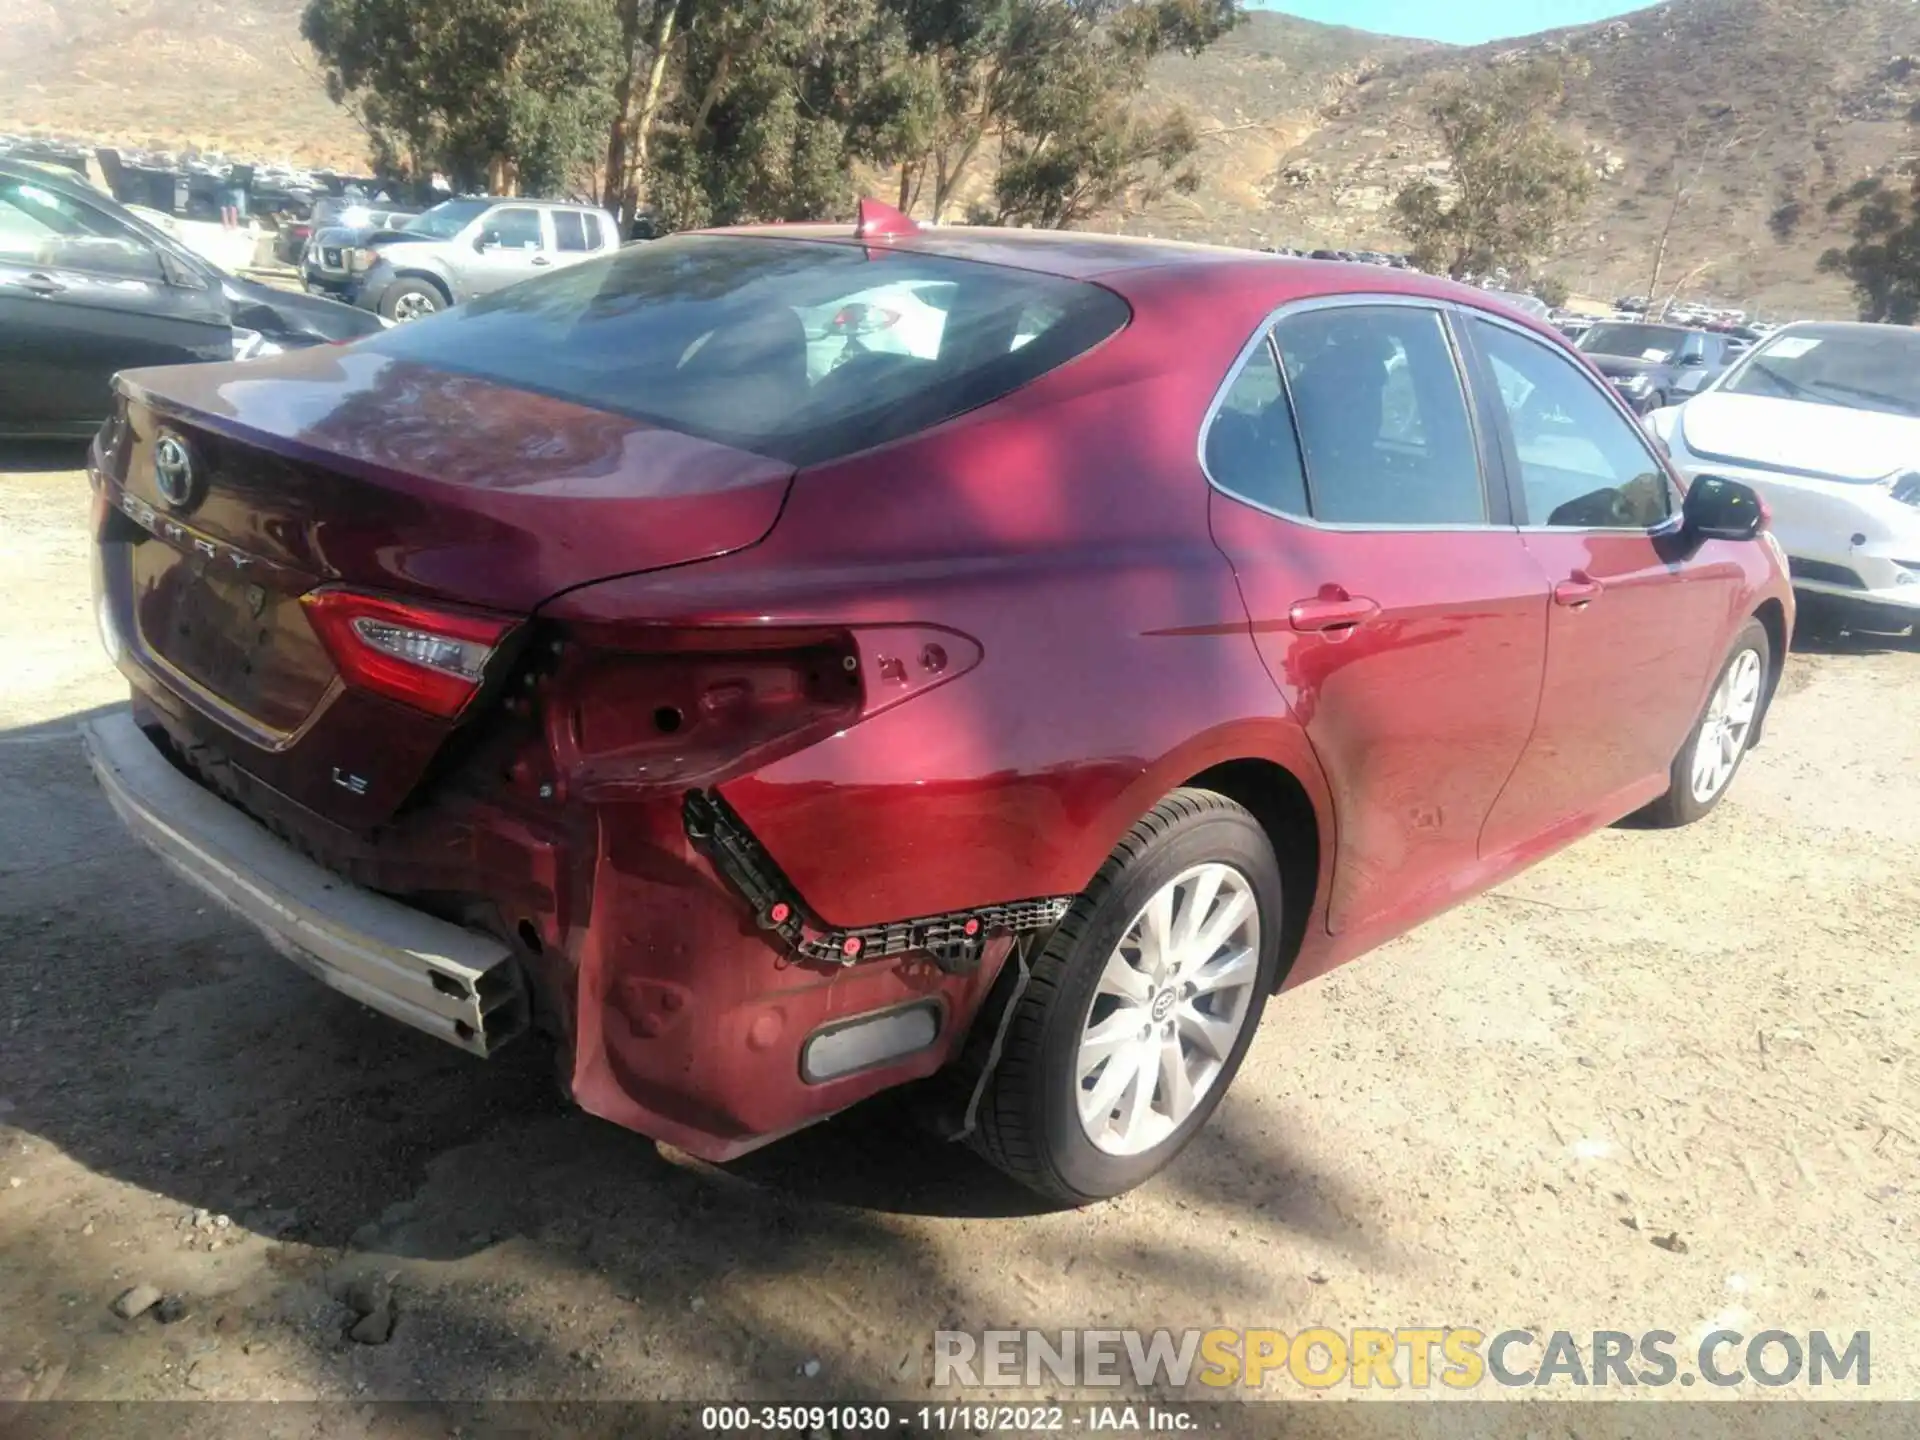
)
(88, 289)
(1655, 365)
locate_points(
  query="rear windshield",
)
(799, 351)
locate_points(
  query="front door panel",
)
(1634, 621)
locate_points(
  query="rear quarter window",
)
(800, 351)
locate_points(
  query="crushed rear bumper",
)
(464, 987)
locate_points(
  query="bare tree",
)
(1700, 144)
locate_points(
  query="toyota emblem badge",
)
(173, 474)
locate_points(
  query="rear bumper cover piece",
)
(458, 984)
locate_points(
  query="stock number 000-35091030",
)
(880, 1419)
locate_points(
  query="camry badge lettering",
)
(354, 784)
(150, 520)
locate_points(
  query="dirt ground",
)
(1707, 1034)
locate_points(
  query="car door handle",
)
(41, 285)
(1577, 591)
(541, 260)
(1325, 612)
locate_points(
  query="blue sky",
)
(1461, 22)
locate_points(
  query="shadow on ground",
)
(41, 457)
(161, 1044)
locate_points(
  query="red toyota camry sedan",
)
(782, 664)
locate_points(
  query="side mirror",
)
(486, 242)
(1693, 359)
(1717, 508)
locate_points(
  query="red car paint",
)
(1050, 617)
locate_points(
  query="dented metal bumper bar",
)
(458, 984)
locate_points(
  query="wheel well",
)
(430, 278)
(1279, 802)
(1773, 616)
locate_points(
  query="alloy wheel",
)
(1724, 731)
(1170, 1003)
(413, 307)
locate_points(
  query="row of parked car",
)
(89, 286)
(1353, 257)
(405, 265)
(1823, 418)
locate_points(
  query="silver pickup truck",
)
(473, 246)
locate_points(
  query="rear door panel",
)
(1419, 715)
(1419, 710)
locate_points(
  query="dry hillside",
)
(1309, 128)
(1774, 104)
(233, 76)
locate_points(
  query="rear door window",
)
(1381, 417)
(570, 231)
(800, 351)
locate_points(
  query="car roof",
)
(1122, 261)
(1070, 253)
(1642, 323)
(531, 201)
(1836, 327)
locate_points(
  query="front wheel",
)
(411, 300)
(1707, 762)
(1141, 1007)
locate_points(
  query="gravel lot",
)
(1707, 1034)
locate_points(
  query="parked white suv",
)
(473, 246)
(1823, 419)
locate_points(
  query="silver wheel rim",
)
(1171, 1002)
(1723, 734)
(414, 306)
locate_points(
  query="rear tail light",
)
(426, 657)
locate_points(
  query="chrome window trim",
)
(1346, 300)
(1674, 517)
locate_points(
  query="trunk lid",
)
(341, 467)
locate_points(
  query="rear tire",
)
(1083, 1105)
(1703, 771)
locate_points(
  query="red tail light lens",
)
(426, 657)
